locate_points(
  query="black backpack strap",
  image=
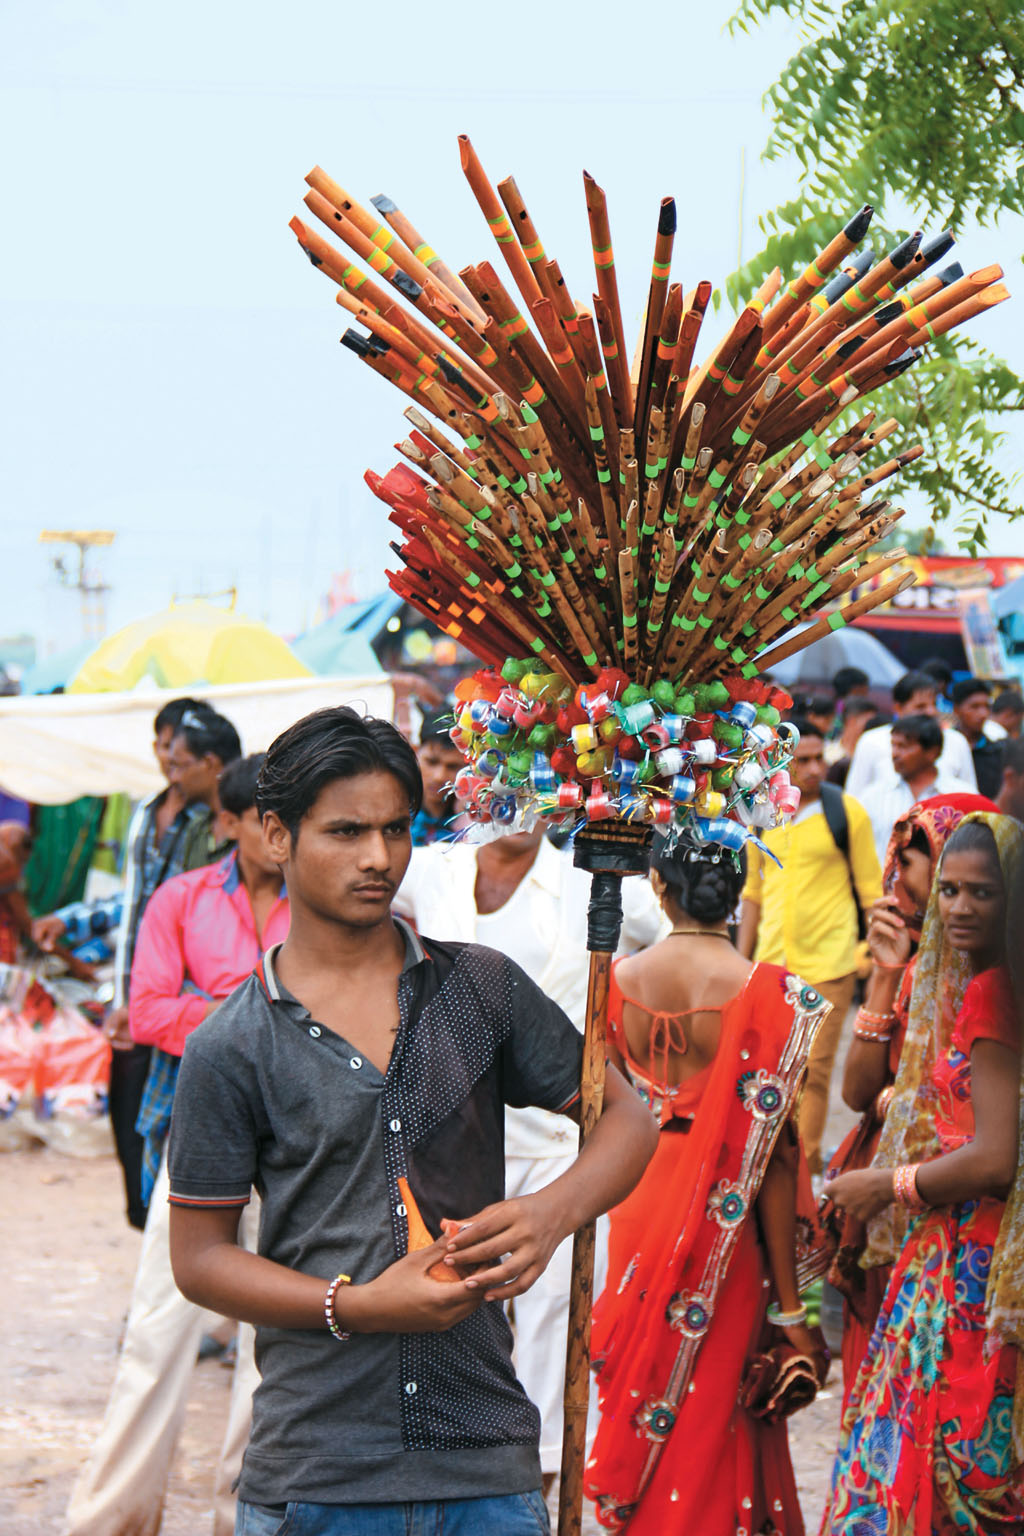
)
(833, 808)
(834, 811)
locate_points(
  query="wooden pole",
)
(608, 850)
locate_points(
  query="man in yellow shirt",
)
(804, 916)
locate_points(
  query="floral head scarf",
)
(937, 818)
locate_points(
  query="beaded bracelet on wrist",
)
(341, 1334)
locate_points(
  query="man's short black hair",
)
(847, 679)
(940, 671)
(806, 727)
(967, 687)
(204, 731)
(171, 713)
(924, 729)
(820, 704)
(437, 726)
(328, 745)
(236, 788)
(1013, 753)
(860, 704)
(904, 688)
(1008, 702)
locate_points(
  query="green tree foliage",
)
(915, 104)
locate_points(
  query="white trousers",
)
(121, 1490)
(541, 1314)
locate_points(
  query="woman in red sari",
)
(894, 931)
(708, 1240)
(932, 1437)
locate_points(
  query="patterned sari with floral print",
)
(927, 1436)
(688, 1285)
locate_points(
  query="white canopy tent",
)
(55, 747)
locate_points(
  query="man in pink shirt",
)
(202, 934)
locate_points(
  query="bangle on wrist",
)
(780, 1319)
(866, 1016)
(341, 1334)
(888, 965)
(904, 1187)
(876, 1037)
(883, 1101)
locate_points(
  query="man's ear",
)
(277, 837)
(228, 826)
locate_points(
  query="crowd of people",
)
(346, 1065)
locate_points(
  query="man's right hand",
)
(115, 1028)
(405, 1299)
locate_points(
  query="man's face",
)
(351, 852)
(1011, 794)
(972, 713)
(822, 721)
(909, 758)
(921, 702)
(162, 748)
(1010, 721)
(195, 777)
(439, 762)
(246, 832)
(807, 770)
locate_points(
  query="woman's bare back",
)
(684, 981)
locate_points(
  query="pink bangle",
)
(341, 1334)
(904, 1187)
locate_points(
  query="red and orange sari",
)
(688, 1285)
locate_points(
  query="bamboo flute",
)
(425, 253)
(661, 267)
(608, 288)
(816, 272)
(490, 207)
(833, 621)
(525, 231)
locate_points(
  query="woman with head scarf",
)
(932, 1436)
(893, 933)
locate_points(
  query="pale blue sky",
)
(170, 363)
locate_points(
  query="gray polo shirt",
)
(268, 1098)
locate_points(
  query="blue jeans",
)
(517, 1514)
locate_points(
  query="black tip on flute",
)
(406, 285)
(887, 312)
(667, 217)
(905, 251)
(384, 204)
(858, 225)
(937, 246)
(355, 343)
(951, 273)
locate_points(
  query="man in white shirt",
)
(522, 896)
(915, 693)
(918, 774)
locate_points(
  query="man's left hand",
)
(513, 1242)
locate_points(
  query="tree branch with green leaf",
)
(919, 104)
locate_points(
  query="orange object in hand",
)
(420, 1238)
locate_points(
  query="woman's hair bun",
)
(704, 880)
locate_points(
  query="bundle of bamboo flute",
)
(668, 518)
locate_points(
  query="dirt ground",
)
(64, 1289)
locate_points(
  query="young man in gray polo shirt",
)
(358, 1067)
